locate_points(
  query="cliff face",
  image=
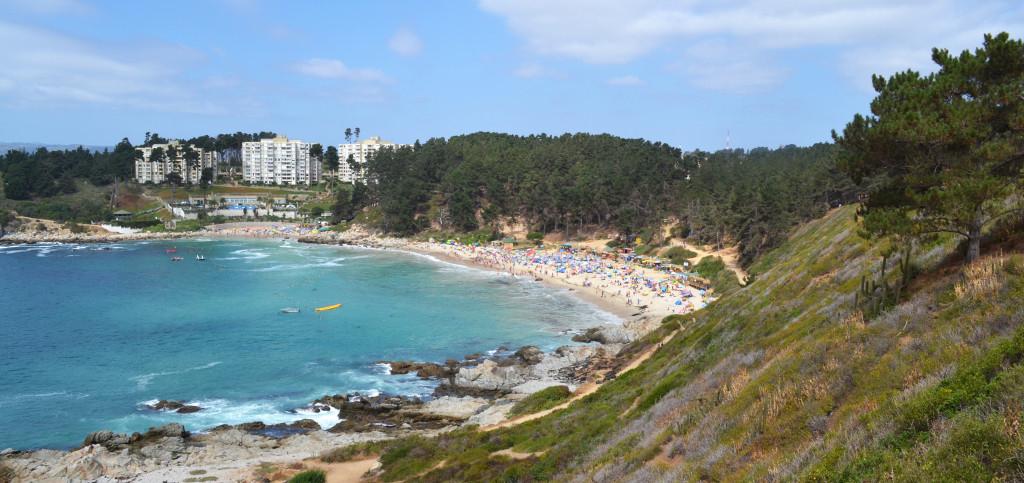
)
(788, 379)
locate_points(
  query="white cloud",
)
(45, 68)
(721, 66)
(870, 35)
(336, 69)
(626, 80)
(405, 42)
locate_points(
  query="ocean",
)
(90, 334)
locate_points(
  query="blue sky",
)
(686, 72)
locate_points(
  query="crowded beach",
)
(642, 284)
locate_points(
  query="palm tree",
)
(356, 132)
(348, 135)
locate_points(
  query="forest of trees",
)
(47, 173)
(579, 182)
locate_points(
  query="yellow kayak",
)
(329, 307)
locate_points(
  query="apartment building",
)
(150, 170)
(360, 152)
(279, 161)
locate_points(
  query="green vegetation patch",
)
(678, 255)
(541, 400)
(714, 269)
(309, 476)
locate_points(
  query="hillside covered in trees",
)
(577, 183)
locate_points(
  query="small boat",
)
(328, 307)
(171, 250)
(290, 310)
(200, 258)
(176, 259)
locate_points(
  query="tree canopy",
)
(47, 173)
(943, 151)
(574, 183)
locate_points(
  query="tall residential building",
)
(148, 170)
(279, 161)
(360, 151)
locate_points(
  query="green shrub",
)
(678, 255)
(714, 269)
(541, 400)
(353, 452)
(309, 476)
(535, 236)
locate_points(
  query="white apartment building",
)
(279, 161)
(360, 151)
(149, 170)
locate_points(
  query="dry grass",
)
(981, 278)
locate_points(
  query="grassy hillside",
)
(785, 379)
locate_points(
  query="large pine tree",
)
(945, 150)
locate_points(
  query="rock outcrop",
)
(175, 406)
(170, 454)
(359, 413)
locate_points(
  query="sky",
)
(691, 73)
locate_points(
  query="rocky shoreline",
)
(475, 391)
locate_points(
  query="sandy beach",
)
(623, 287)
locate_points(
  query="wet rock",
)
(252, 426)
(107, 439)
(359, 413)
(424, 370)
(176, 406)
(166, 405)
(306, 424)
(611, 334)
(529, 355)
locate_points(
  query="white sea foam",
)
(61, 395)
(142, 381)
(219, 411)
(302, 266)
(250, 254)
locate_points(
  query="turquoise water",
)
(91, 333)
